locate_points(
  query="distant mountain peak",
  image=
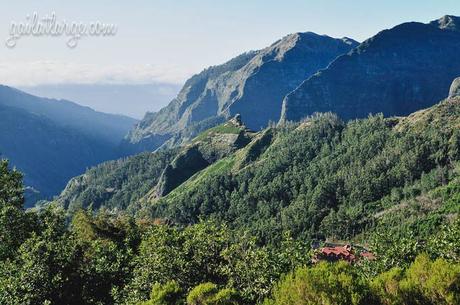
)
(448, 22)
(313, 37)
(252, 84)
(395, 72)
(308, 40)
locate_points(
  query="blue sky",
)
(167, 41)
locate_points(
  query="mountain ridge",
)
(109, 127)
(314, 168)
(252, 84)
(48, 154)
(397, 71)
(51, 141)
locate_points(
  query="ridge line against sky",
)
(168, 41)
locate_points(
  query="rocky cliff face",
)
(252, 84)
(455, 88)
(396, 72)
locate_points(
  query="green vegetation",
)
(123, 185)
(109, 259)
(327, 179)
(423, 282)
(209, 294)
(104, 259)
(240, 230)
(167, 294)
(226, 128)
(116, 184)
(324, 283)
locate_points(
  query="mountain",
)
(48, 154)
(209, 147)
(252, 84)
(107, 127)
(251, 212)
(321, 177)
(396, 72)
(133, 100)
(118, 184)
(52, 141)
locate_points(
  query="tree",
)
(45, 268)
(424, 282)
(187, 256)
(386, 287)
(446, 244)
(210, 294)
(325, 283)
(167, 294)
(15, 224)
(434, 282)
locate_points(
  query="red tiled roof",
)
(341, 252)
(336, 251)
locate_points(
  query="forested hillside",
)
(121, 184)
(311, 172)
(316, 179)
(324, 178)
(242, 222)
(115, 259)
(115, 184)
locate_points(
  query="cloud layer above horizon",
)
(37, 73)
(168, 41)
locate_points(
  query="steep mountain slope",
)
(209, 147)
(107, 127)
(252, 84)
(48, 154)
(51, 141)
(116, 184)
(396, 72)
(455, 88)
(324, 178)
(317, 178)
(121, 184)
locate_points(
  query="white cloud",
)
(54, 72)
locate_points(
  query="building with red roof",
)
(336, 253)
